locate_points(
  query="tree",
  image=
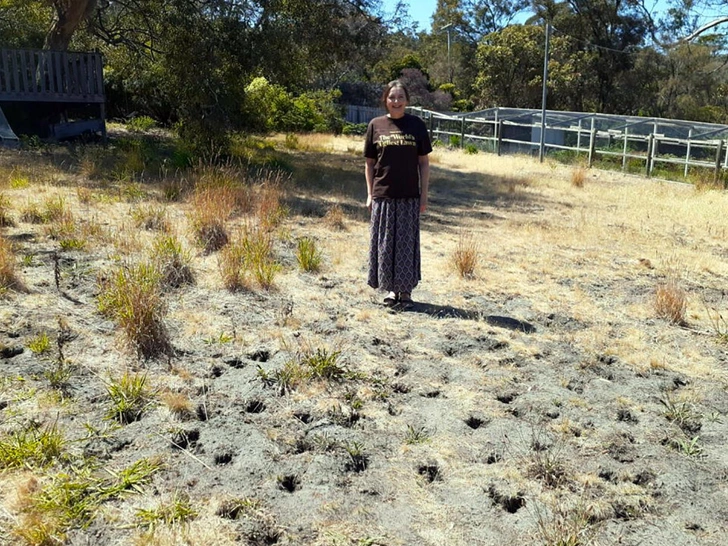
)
(68, 16)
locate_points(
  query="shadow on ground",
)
(448, 311)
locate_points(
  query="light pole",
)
(449, 63)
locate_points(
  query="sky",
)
(421, 11)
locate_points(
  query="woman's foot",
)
(391, 299)
(404, 297)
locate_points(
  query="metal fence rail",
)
(636, 144)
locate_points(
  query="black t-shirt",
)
(397, 145)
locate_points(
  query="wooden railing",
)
(37, 75)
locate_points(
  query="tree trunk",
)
(69, 14)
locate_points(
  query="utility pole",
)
(542, 142)
(449, 62)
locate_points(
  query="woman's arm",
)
(424, 164)
(369, 175)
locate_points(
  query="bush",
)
(140, 124)
(358, 129)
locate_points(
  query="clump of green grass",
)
(32, 213)
(132, 296)
(249, 255)
(40, 344)
(130, 396)
(31, 446)
(177, 510)
(71, 499)
(306, 366)
(308, 256)
(173, 261)
(140, 124)
(466, 256)
(416, 435)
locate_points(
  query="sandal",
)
(404, 297)
(391, 299)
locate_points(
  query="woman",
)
(397, 174)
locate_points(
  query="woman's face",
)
(396, 102)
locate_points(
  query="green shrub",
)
(454, 141)
(140, 124)
(358, 129)
(471, 149)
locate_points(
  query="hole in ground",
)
(255, 406)
(289, 483)
(509, 503)
(430, 472)
(474, 422)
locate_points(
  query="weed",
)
(292, 142)
(211, 208)
(689, 447)
(578, 177)
(249, 254)
(85, 196)
(31, 446)
(8, 278)
(270, 211)
(179, 509)
(416, 435)
(471, 149)
(54, 209)
(221, 339)
(358, 460)
(130, 396)
(5, 206)
(682, 413)
(308, 256)
(133, 297)
(466, 255)
(718, 323)
(323, 365)
(71, 499)
(286, 379)
(179, 404)
(140, 124)
(32, 213)
(567, 526)
(40, 344)
(172, 261)
(671, 302)
(334, 218)
(151, 218)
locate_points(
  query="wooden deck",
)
(36, 75)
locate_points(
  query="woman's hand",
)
(369, 202)
(423, 203)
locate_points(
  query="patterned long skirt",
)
(394, 251)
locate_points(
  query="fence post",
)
(687, 153)
(624, 150)
(432, 123)
(718, 154)
(648, 167)
(462, 132)
(592, 147)
(653, 154)
(499, 137)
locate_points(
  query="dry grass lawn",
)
(171, 373)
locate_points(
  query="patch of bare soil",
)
(542, 401)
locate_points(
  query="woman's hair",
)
(391, 85)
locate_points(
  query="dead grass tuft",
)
(466, 256)
(334, 218)
(5, 219)
(249, 257)
(671, 302)
(578, 177)
(8, 278)
(211, 208)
